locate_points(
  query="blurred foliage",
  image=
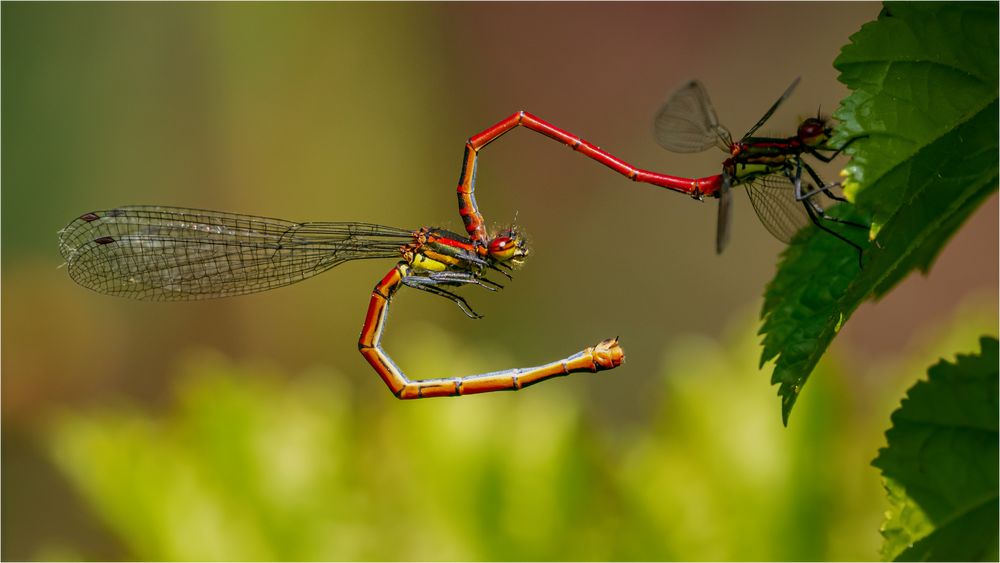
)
(923, 111)
(246, 464)
(942, 464)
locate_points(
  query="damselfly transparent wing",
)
(175, 254)
(773, 108)
(687, 122)
(773, 198)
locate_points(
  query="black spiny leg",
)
(419, 283)
(806, 197)
(816, 221)
(823, 186)
(432, 282)
(462, 278)
(504, 269)
(836, 152)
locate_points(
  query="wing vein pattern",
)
(177, 254)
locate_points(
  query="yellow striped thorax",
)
(437, 250)
(420, 261)
(742, 173)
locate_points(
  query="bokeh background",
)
(251, 428)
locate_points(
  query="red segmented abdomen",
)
(695, 187)
(467, 207)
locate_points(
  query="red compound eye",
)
(812, 128)
(500, 244)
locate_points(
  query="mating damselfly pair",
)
(770, 167)
(163, 253)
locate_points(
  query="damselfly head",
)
(814, 131)
(509, 247)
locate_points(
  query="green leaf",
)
(919, 73)
(804, 304)
(942, 463)
(923, 115)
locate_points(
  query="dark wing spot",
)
(104, 240)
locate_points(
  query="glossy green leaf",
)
(923, 113)
(920, 74)
(942, 463)
(804, 304)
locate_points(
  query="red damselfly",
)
(770, 167)
(176, 254)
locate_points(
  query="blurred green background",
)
(251, 428)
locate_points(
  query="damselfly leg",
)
(822, 187)
(815, 210)
(432, 283)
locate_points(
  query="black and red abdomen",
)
(766, 151)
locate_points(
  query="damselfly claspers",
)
(176, 254)
(770, 167)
